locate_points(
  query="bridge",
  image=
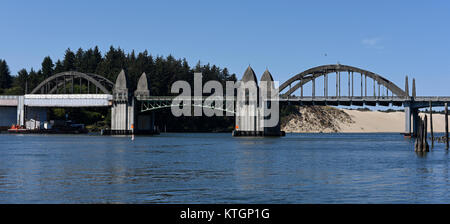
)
(76, 89)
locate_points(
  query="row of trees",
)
(161, 71)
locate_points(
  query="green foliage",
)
(16, 90)
(58, 113)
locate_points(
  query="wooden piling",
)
(418, 144)
(446, 125)
(431, 125)
(425, 133)
(421, 144)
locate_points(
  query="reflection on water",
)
(217, 168)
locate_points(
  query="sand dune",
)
(376, 121)
(363, 121)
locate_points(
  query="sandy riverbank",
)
(376, 121)
(352, 121)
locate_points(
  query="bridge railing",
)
(308, 98)
(153, 98)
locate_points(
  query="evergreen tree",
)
(33, 80)
(81, 61)
(94, 59)
(5, 77)
(58, 67)
(113, 63)
(47, 67)
(21, 79)
(69, 60)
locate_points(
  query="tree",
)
(58, 67)
(81, 61)
(33, 80)
(47, 67)
(112, 64)
(94, 59)
(5, 77)
(21, 80)
(69, 60)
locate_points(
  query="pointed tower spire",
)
(120, 91)
(266, 76)
(406, 86)
(121, 81)
(266, 84)
(249, 75)
(142, 86)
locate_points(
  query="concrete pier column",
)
(246, 107)
(20, 111)
(122, 110)
(407, 120)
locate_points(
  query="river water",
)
(217, 168)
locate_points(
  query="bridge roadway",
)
(105, 100)
(58, 100)
(417, 102)
(9, 101)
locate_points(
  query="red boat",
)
(17, 129)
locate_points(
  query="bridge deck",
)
(68, 100)
(99, 100)
(422, 101)
(9, 101)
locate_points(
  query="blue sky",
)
(390, 38)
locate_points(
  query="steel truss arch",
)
(313, 73)
(55, 81)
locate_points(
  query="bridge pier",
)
(407, 120)
(122, 110)
(122, 117)
(411, 115)
(255, 110)
(21, 111)
(145, 123)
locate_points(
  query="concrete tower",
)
(122, 110)
(247, 112)
(145, 123)
(267, 107)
